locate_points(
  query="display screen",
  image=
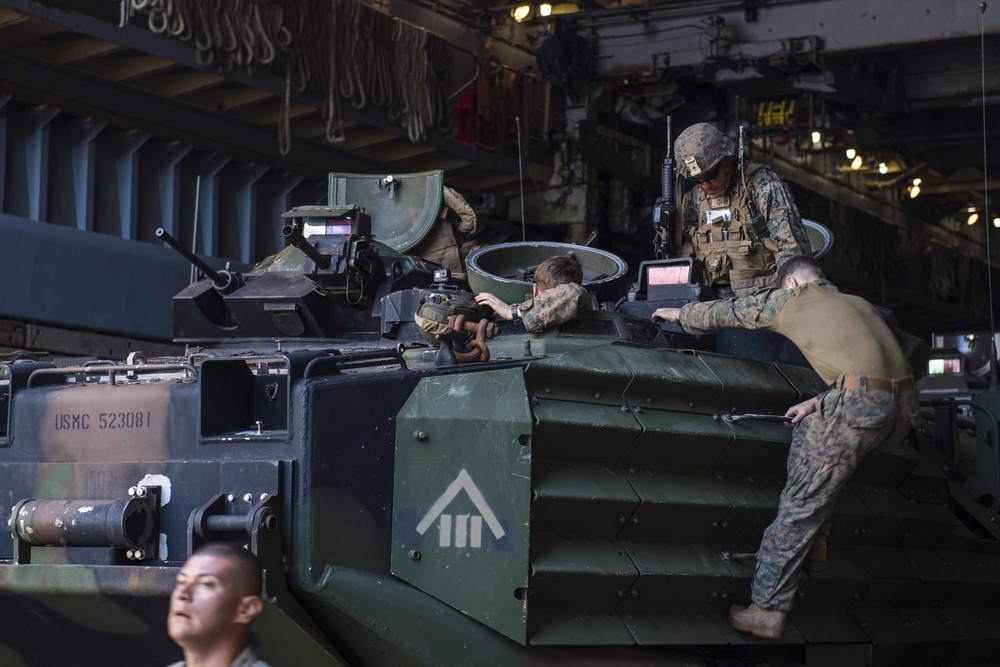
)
(668, 275)
(338, 226)
(331, 226)
(948, 366)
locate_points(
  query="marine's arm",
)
(774, 201)
(756, 311)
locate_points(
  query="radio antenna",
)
(986, 207)
(520, 173)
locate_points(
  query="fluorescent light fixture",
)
(816, 136)
(883, 168)
(857, 162)
(545, 9)
(520, 13)
(973, 219)
(914, 189)
(851, 153)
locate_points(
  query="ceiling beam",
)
(690, 34)
(173, 121)
(463, 36)
(876, 207)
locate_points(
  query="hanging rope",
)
(338, 49)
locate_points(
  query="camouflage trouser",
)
(826, 448)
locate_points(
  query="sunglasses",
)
(710, 177)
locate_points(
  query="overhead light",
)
(973, 219)
(816, 137)
(857, 162)
(996, 222)
(883, 168)
(914, 189)
(545, 9)
(971, 209)
(565, 8)
(851, 153)
(520, 13)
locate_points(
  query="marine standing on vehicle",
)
(740, 219)
(871, 401)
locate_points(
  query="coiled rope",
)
(337, 49)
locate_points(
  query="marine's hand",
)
(801, 410)
(667, 314)
(498, 306)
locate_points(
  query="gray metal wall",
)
(80, 202)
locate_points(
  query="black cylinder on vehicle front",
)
(124, 523)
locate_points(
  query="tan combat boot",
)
(766, 623)
(815, 560)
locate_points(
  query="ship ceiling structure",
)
(113, 124)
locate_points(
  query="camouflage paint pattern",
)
(826, 448)
(554, 306)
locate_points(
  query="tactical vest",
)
(730, 255)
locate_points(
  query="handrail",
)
(339, 359)
(112, 370)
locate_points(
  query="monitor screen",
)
(668, 275)
(945, 366)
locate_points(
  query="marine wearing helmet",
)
(743, 226)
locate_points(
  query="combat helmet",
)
(699, 148)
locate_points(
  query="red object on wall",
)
(468, 118)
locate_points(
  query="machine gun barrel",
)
(295, 237)
(224, 281)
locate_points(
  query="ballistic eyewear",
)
(710, 177)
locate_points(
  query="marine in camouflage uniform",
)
(445, 243)
(716, 214)
(554, 306)
(558, 296)
(871, 401)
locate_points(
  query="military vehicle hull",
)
(587, 497)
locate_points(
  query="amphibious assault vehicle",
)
(591, 495)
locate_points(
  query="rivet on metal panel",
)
(749, 478)
(131, 491)
(624, 408)
(716, 417)
(725, 525)
(621, 594)
(263, 496)
(715, 594)
(725, 596)
(638, 410)
(419, 436)
(534, 400)
(649, 401)
(548, 390)
(622, 520)
(733, 409)
(635, 521)
(230, 497)
(597, 394)
(715, 524)
(635, 593)
(691, 404)
(247, 498)
(414, 555)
